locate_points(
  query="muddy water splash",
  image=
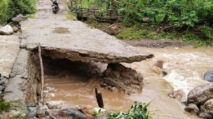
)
(185, 66)
(73, 84)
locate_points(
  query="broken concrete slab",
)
(76, 41)
(17, 80)
(9, 48)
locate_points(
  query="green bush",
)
(11, 8)
(4, 106)
(137, 111)
(207, 31)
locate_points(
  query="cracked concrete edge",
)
(18, 75)
(87, 56)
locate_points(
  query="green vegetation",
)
(71, 16)
(11, 8)
(137, 111)
(185, 20)
(4, 106)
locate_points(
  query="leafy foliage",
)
(137, 111)
(11, 8)
(5, 106)
(181, 16)
(207, 31)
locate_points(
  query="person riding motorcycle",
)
(55, 3)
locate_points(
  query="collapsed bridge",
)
(65, 39)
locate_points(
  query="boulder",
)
(122, 79)
(55, 104)
(15, 29)
(2, 88)
(200, 94)
(205, 115)
(6, 30)
(87, 110)
(159, 63)
(32, 112)
(54, 112)
(113, 29)
(192, 108)
(179, 95)
(19, 18)
(107, 31)
(42, 111)
(208, 106)
(208, 76)
(72, 112)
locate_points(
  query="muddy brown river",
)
(72, 82)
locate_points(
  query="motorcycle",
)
(55, 8)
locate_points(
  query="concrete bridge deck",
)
(74, 39)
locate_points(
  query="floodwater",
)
(73, 83)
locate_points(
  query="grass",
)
(134, 33)
(71, 16)
(31, 16)
(98, 25)
(5, 106)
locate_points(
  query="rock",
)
(123, 79)
(208, 106)
(178, 94)
(184, 100)
(2, 82)
(103, 84)
(32, 112)
(114, 29)
(209, 76)
(146, 19)
(107, 31)
(6, 30)
(159, 63)
(200, 94)
(19, 18)
(15, 29)
(42, 111)
(52, 117)
(192, 108)
(14, 112)
(114, 89)
(55, 104)
(205, 115)
(54, 112)
(2, 88)
(71, 112)
(87, 110)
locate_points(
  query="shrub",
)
(137, 111)
(11, 8)
(4, 106)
